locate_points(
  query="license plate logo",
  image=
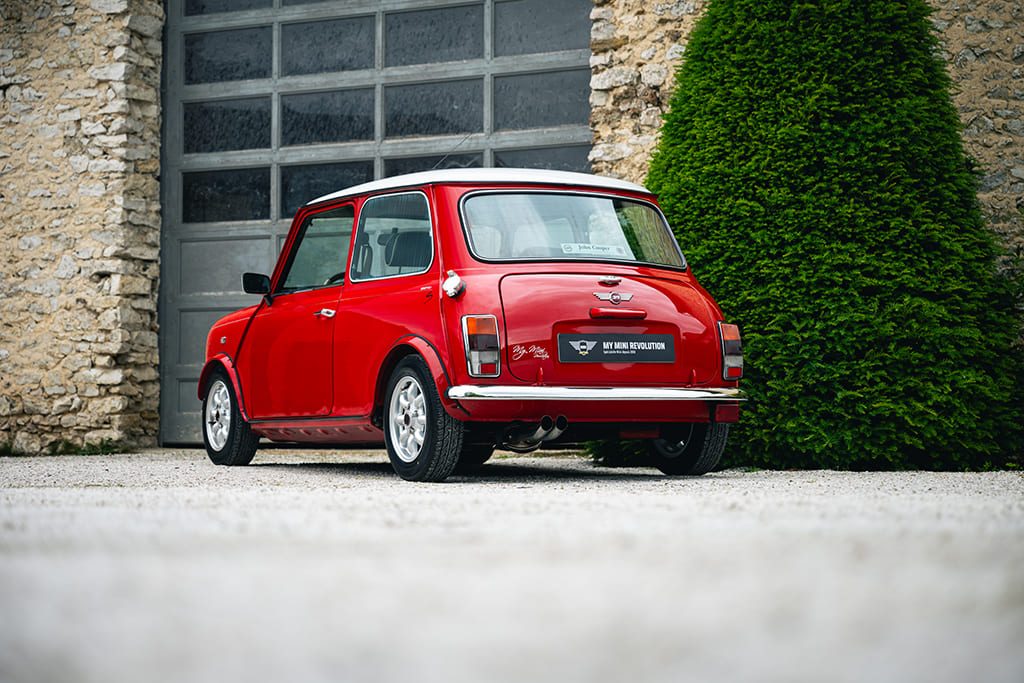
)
(582, 346)
(616, 348)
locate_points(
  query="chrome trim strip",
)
(468, 392)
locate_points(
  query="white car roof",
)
(486, 175)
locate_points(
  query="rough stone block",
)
(66, 268)
(71, 115)
(92, 189)
(110, 140)
(146, 24)
(109, 6)
(130, 285)
(613, 78)
(653, 75)
(27, 442)
(29, 243)
(109, 72)
(107, 166)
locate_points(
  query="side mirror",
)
(255, 283)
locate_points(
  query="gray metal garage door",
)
(271, 103)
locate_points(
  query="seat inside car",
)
(408, 250)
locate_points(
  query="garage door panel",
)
(188, 401)
(214, 266)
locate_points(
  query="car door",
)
(287, 362)
(392, 293)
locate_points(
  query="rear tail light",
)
(480, 335)
(732, 351)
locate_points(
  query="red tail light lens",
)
(732, 351)
(480, 336)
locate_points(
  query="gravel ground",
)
(318, 566)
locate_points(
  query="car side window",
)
(319, 258)
(393, 238)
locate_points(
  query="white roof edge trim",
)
(485, 175)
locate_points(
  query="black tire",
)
(698, 453)
(240, 442)
(473, 456)
(435, 457)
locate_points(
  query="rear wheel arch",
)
(404, 347)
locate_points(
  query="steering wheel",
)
(337, 277)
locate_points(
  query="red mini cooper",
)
(453, 312)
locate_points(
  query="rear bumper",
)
(468, 392)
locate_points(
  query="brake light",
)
(480, 336)
(732, 351)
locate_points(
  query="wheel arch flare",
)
(225, 363)
(406, 346)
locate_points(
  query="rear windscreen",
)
(504, 226)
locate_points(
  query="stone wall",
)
(637, 45)
(983, 41)
(80, 221)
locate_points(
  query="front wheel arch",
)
(223, 362)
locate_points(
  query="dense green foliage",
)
(812, 167)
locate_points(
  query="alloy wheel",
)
(218, 415)
(408, 418)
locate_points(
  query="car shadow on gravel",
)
(501, 471)
(492, 471)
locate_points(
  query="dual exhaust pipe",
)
(523, 438)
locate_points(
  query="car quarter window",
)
(393, 238)
(318, 260)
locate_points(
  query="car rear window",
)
(512, 226)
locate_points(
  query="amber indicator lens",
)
(731, 339)
(482, 331)
(732, 351)
(480, 334)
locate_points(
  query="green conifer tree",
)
(812, 168)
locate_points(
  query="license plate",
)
(616, 348)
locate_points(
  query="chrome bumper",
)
(467, 392)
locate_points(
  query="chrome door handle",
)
(325, 312)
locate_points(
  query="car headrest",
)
(408, 249)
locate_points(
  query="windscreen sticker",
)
(580, 249)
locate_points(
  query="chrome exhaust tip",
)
(560, 425)
(543, 430)
(520, 439)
